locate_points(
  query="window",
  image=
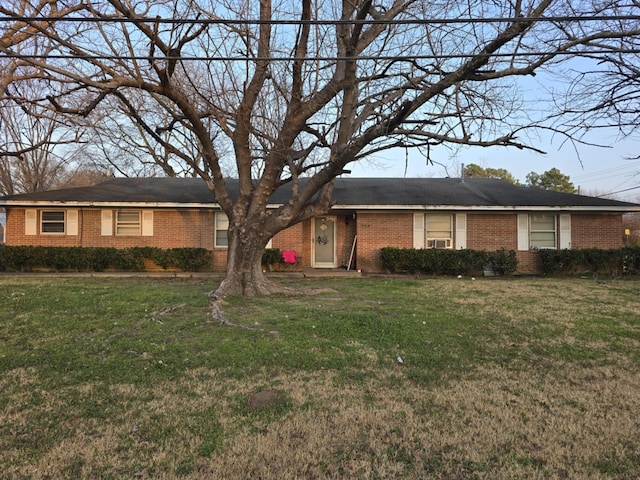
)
(128, 222)
(52, 221)
(438, 231)
(222, 227)
(222, 231)
(542, 230)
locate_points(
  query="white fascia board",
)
(115, 205)
(14, 203)
(490, 208)
(378, 208)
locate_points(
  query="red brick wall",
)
(492, 231)
(296, 238)
(346, 233)
(597, 231)
(379, 230)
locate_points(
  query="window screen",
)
(52, 221)
(542, 231)
(128, 223)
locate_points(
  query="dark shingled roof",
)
(348, 192)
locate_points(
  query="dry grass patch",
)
(566, 423)
(580, 424)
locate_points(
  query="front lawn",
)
(411, 378)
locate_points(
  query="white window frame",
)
(423, 234)
(221, 220)
(543, 231)
(122, 224)
(44, 222)
(461, 231)
(564, 221)
(438, 241)
(106, 223)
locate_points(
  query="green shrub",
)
(504, 261)
(568, 261)
(271, 256)
(614, 261)
(631, 260)
(447, 262)
(98, 259)
(189, 259)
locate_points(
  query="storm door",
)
(324, 242)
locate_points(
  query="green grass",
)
(106, 378)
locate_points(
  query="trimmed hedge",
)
(98, 259)
(615, 262)
(271, 256)
(447, 262)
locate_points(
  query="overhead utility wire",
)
(599, 173)
(372, 21)
(310, 59)
(622, 191)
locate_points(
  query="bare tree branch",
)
(196, 86)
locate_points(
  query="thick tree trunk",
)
(244, 268)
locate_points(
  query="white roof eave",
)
(492, 208)
(461, 208)
(58, 203)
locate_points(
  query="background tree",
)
(130, 148)
(34, 141)
(476, 171)
(552, 179)
(297, 89)
(32, 153)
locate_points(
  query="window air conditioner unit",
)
(439, 243)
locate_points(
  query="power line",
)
(622, 191)
(600, 173)
(371, 21)
(433, 56)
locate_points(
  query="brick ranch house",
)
(368, 214)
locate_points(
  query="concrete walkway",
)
(310, 273)
(317, 272)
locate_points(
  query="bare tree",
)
(35, 149)
(294, 89)
(603, 91)
(34, 141)
(133, 137)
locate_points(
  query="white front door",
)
(324, 242)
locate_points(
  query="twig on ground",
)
(160, 313)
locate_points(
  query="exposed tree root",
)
(250, 286)
(265, 287)
(217, 314)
